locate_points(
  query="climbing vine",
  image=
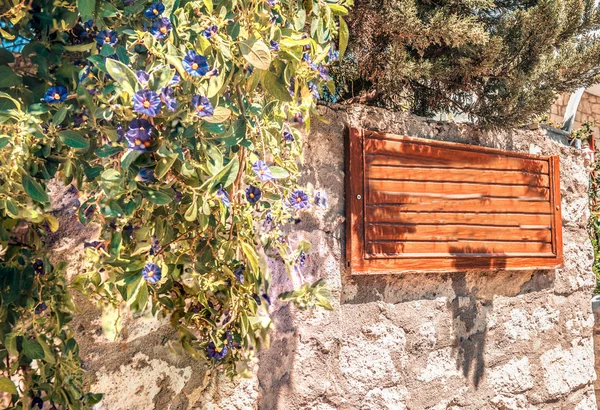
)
(178, 124)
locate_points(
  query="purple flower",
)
(333, 54)
(106, 37)
(323, 72)
(38, 267)
(253, 194)
(40, 308)
(314, 90)
(145, 175)
(203, 106)
(56, 94)
(272, 2)
(88, 25)
(299, 199)
(176, 78)
(321, 199)
(37, 402)
(195, 64)
(262, 171)
(239, 273)
(292, 87)
(223, 196)
(287, 136)
(139, 135)
(298, 118)
(274, 45)
(154, 245)
(210, 31)
(301, 259)
(147, 102)
(143, 77)
(167, 96)
(161, 28)
(155, 10)
(214, 353)
(151, 273)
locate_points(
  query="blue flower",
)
(214, 353)
(88, 25)
(223, 196)
(287, 136)
(143, 77)
(55, 94)
(147, 102)
(145, 175)
(176, 78)
(151, 273)
(239, 273)
(167, 96)
(292, 87)
(323, 73)
(333, 54)
(155, 10)
(203, 106)
(299, 199)
(210, 31)
(139, 135)
(299, 118)
(37, 401)
(301, 259)
(274, 45)
(314, 90)
(106, 37)
(39, 309)
(253, 194)
(272, 2)
(262, 171)
(195, 64)
(154, 245)
(161, 28)
(38, 267)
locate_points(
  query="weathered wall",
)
(479, 340)
(587, 111)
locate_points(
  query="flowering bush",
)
(178, 123)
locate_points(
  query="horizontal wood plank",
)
(424, 232)
(385, 190)
(389, 214)
(433, 174)
(481, 203)
(382, 249)
(459, 158)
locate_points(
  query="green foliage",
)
(187, 161)
(500, 62)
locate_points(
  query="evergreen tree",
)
(502, 62)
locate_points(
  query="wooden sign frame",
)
(383, 249)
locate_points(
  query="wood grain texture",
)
(425, 205)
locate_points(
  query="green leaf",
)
(256, 53)
(34, 189)
(344, 36)
(279, 173)
(128, 158)
(60, 115)
(160, 78)
(80, 48)
(221, 114)
(191, 213)
(123, 75)
(32, 349)
(86, 9)
(8, 78)
(164, 165)
(158, 197)
(276, 87)
(7, 386)
(74, 139)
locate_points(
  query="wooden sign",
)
(422, 205)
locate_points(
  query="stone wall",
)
(587, 111)
(476, 340)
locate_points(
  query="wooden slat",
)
(355, 207)
(453, 233)
(433, 174)
(383, 191)
(459, 158)
(388, 214)
(433, 202)
(455, 248)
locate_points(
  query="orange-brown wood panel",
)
(385, 190)
(433, 174)
(456, 248)
(423, 232)
(424, 205)
(446, 203)
(389, 214)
